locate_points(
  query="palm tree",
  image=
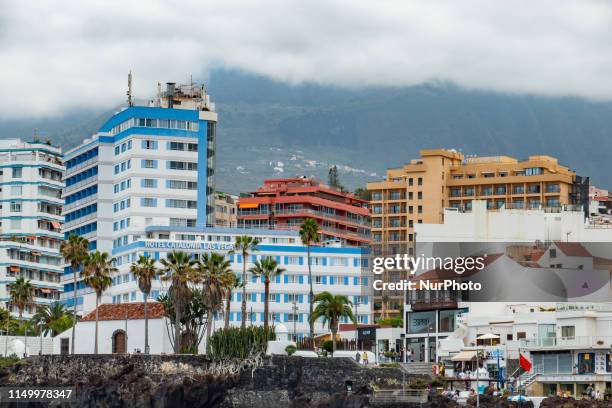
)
(268, 268)
(53, 319)
(332, 308)
(98, 269)
(217, 277)
(145, 271)
(245, 245)
(179, 270)
(74, 251)
(22, 295)
(235, 283)
(309, 234)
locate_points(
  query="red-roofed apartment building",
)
(286, 203)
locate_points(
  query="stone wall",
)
(194, 381)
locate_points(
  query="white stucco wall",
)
(159, 340)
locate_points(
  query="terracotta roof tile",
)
(572, 249)
(135, 311)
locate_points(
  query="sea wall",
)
(195, 381)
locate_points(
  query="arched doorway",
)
(119, 342)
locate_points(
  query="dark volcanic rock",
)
(194, 381)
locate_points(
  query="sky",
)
(62, 55)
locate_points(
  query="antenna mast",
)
(129, 91)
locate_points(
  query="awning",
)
(35, 253)
(248, 205)
(45, 290)
(14, 268)
(56, 224)
(467, 355)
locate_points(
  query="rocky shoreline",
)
(195, 381)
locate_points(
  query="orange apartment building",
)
(286, 203)
(419, 191)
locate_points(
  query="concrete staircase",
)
(417, 368)
(526, 379)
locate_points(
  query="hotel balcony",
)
(298, 212)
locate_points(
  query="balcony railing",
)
(568, 342)
(306, 211)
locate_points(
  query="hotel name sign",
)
(191, 245)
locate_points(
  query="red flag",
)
(524, 362)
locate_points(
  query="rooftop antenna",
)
(129, 91)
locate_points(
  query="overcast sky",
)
(59, 55)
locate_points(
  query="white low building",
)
(121, 329)
(569, 344)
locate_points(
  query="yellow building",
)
(419, 191)
(225, 210)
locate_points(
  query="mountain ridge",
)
(270, 129)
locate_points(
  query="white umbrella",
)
(488, 336)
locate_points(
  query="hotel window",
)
(553, 188)
(293, 260)
(568, 331)
(410, 195)
(149, 164)
(182, 185)
(420, 209)
(16, 190)
(376, 196)
(337, 261)
(420, 181)
(533, 188)
(534, 171)
(469, 191)
(149, 183)
(17, 172)
(487, 191)
(410, 181)
(15, 207)
(553, 202)
(291, 279)
(395, 195)
(148, 202)
(455, 192)
(500, 190)
(318, 280)
(171, 203)
(149, 144)
(177, 165)
(420, 195)
(518, 190)
(190, 147)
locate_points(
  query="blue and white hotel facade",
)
(144, 184)
(30, 220)
(339, 270)
(147, 165)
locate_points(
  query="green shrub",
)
(290, 349)
(328, 346)
(390, 365)
(236, 342)
(8, 361)
(392, 321)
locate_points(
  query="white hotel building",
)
(144, 185)
(30, 220)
